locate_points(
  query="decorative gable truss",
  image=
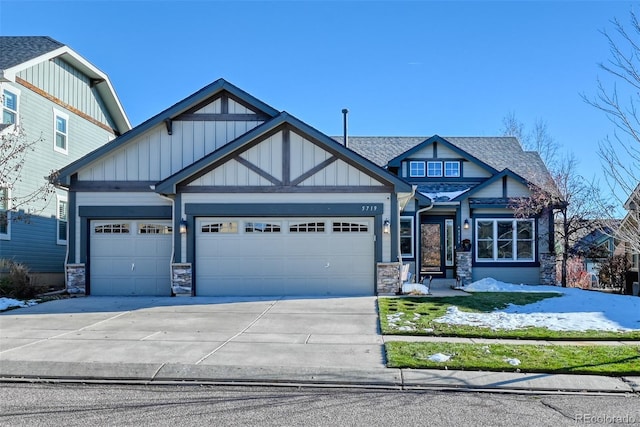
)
(281, 155)
(284, 160)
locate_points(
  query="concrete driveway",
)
(258, 332)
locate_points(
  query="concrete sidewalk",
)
(309, 341)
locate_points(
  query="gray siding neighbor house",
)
(48, 91)
(223, 195)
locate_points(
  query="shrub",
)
(17, 283)
(613, 272)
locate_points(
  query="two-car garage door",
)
(284, 256)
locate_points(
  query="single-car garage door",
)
(130, 257)
(284, 256)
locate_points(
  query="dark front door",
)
(436, 246)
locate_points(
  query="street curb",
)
(387, 378)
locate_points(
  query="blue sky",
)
(413, 68)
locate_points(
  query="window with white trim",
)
(505, 240)
(451, 169)
(62, 216)
(406, 236)
(434, 169)
(416, 169)
(9, 107)
(5, 223)
(61, 132)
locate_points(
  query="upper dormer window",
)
(9, 107)
(434, 169)
(451, 169)
(416, 169)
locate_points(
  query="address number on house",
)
(369, 208)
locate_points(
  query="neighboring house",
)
(49, 92)
(222, 194)
(595, 245)
(461, 224)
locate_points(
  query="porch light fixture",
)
(386, 227)
(466, 224)
(183, 226)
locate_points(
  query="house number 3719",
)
(369, 208)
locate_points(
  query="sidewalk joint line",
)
(205, 357)
(64, 333)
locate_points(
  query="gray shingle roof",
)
(15, 50)
(498, 152)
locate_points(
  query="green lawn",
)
(415, 315)
(593, 359)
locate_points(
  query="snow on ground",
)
(7, 303)
(574, 310)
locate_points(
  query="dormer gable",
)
(438, 159)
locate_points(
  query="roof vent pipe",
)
(344, 114)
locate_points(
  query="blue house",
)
(222, 194)
(57, 98)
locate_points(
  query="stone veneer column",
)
(548, 269)
(464, 267)
(388, 278)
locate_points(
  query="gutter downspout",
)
(173, 240)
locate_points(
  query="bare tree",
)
(620, 153)
(19, 199)
(537, 139)
(574, 201)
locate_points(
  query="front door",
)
(436, 246)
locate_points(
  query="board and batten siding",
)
(69, 85)
(157, 155)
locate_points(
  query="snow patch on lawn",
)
(439, 357)
(575, 310)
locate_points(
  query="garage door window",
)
(220, 227)
(154, 229)
(350, 227)
(307, 227)
(262, 227)
(112, 229)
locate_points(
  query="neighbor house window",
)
(9, 107)
(451, 169)
(4, 213)
(61, 132)
(434, 169)
(416, 169)
(505, 240)
(62, 216)
(406, 237)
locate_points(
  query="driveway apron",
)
(254, 332)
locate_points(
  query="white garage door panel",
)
(133, 262)
(304, 262)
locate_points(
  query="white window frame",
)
(65, 116)
(410, 236)
(432, 175)
(59, 220)
(18, 94)
(448, 175)
(449, 243)
(419, 171)
(514, 240)
(7, 235)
